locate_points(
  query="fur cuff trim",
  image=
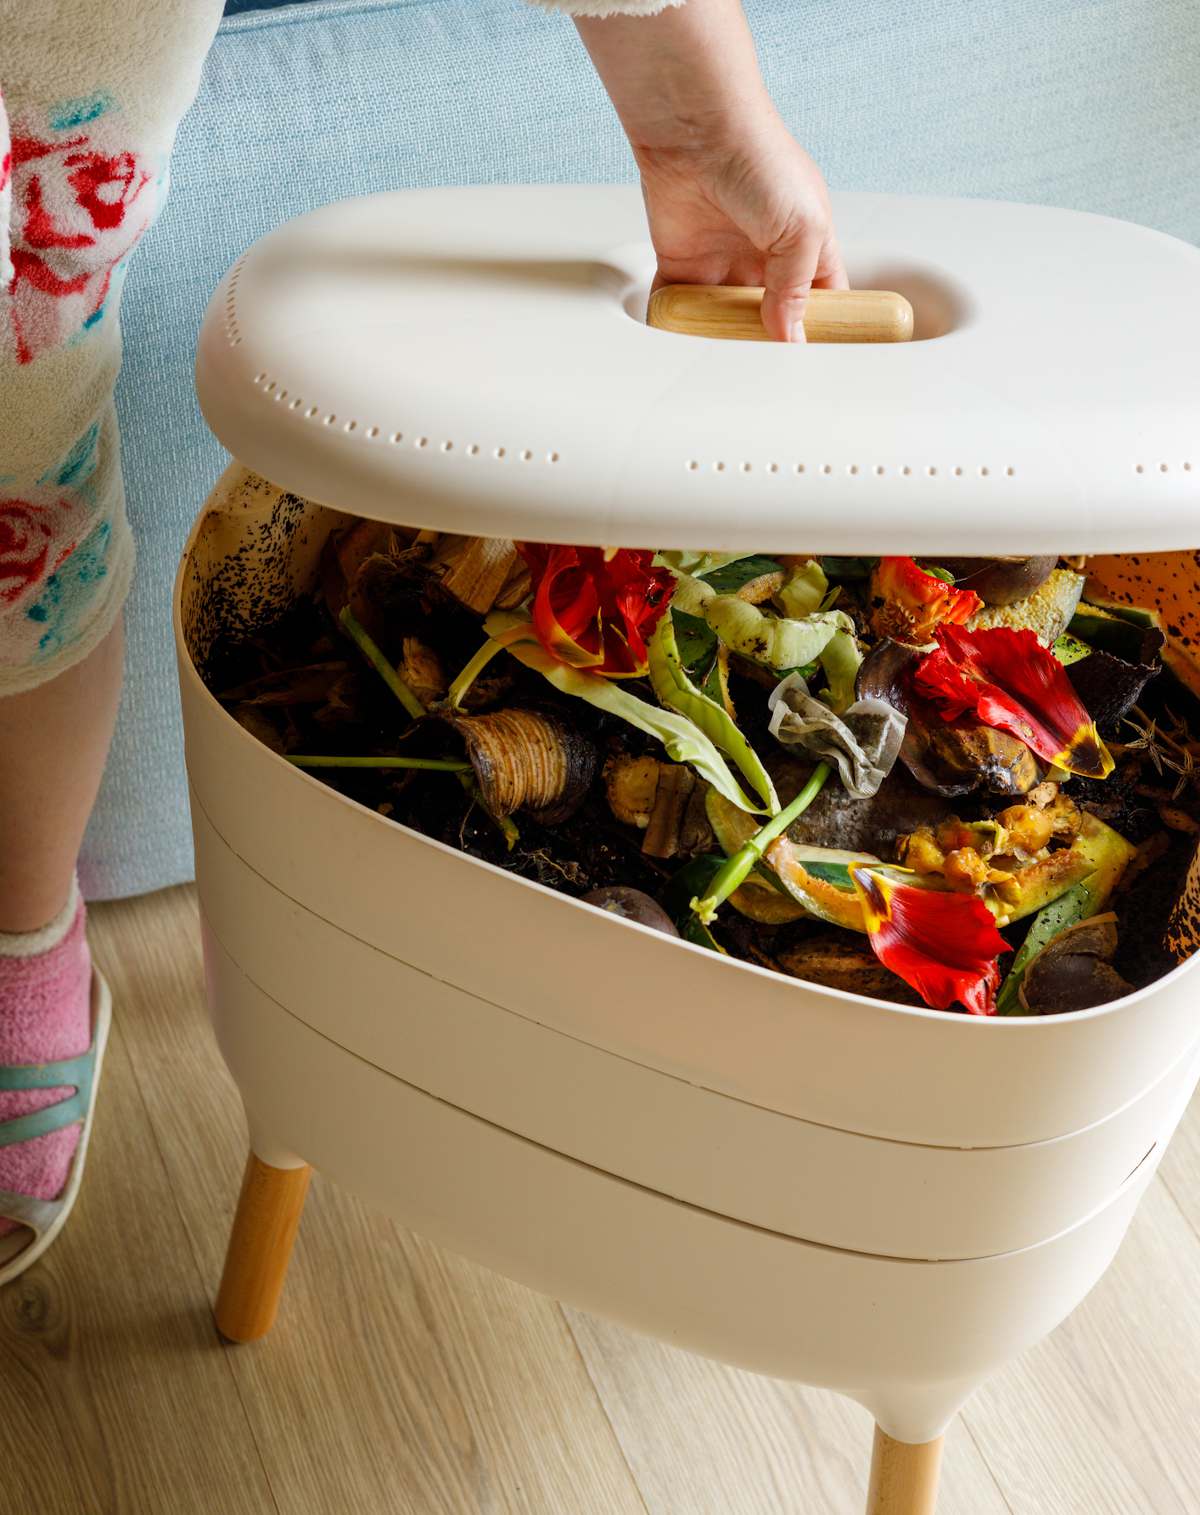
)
(33, 943)
(603, 8)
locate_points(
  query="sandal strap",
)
(36, 1214)
(71, 1072)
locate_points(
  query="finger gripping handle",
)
(733, 311)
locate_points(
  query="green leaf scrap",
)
(673, 687)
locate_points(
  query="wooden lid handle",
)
(733, 311)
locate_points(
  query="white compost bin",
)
(884, 1200)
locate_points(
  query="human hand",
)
(750, 211)
(731, 196)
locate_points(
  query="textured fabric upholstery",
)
(1080, 104)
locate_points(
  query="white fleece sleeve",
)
(601, 8)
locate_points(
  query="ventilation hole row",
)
(270, 387)
(1160, 468)
(232, 330)
(931, 470)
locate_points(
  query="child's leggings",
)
(94, 91)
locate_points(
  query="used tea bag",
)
(863, 743)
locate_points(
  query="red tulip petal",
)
(566, 609)
(1015, 684)
(944, 945)
(925, 600)
(596, 610)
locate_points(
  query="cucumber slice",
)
(1099, 853)
(1110, 854)
(1069, 649)
(817, 879)
(1118, 631)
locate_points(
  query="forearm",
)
(684, 78)
(731, 196)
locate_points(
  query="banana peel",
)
(818, 879)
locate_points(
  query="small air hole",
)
(983, 470)
(1187, 468)
(259, 377)
(720, 467)
(827, 468)
(799, 467)
(499, 452)
(473, 450)
(693, 466)
(1139, 469)
(312, 411)
(236, 342)
(372, 431)
(351, 426)
(422, 441)
(330, 419)
(931, 471)
(879, 468)
(297, 402)
(396, 436)
(745, 467)
(906, 469)
(526, 455)
(1009, 471)
(1162, 468)
(271, 387)
(283, 394)
(551, 457)
(772, 467)
(853, 468)
(958, 473)
(447, 446)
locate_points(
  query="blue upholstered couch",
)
(1088, 103)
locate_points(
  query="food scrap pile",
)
(951, 782)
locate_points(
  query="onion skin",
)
(527, 760)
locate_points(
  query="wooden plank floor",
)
(404, 1381)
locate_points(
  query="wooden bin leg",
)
(260, 1246)
(904, 1476)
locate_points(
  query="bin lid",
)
(476, 360)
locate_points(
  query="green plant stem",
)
(735, 870)
(508, 830)
(432, 765)
(370, 650)
(466, 777)
(472, 670)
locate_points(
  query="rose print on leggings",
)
(26, 541)
(79, 203)
(40, 529)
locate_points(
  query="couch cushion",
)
(1089, 106)
(236, 7)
